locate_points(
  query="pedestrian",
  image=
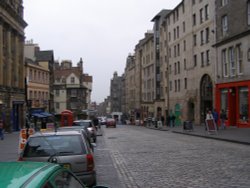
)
(216, 117)
(209, 116)
(223, 117)
(172, 120)
(163, 120)
(1, 130)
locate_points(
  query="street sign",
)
(211, 126)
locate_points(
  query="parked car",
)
(82, 131)
(102, 120)
(67, 148)
(110, 122)
(37, 175)
(87, 125)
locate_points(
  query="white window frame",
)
(224, 2)
(238, 57)
(248, 12)
(224, 22)
(224, 62)
(232, 63)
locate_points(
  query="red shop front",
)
(234, 98)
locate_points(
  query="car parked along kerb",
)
(67, 148)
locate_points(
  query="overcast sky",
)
(102, 32)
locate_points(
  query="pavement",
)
(230, 134)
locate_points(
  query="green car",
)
(37, 175)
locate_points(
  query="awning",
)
(46, 114)
(38, 115)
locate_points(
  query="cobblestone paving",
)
(151, 159)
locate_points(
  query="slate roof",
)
(47, 55)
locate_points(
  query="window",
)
(243, 103)
(73, 93)
(201, 16)
(224, 100)
(195, 60)
(231, 61)
(170, 85)
(178, 67)
(206, 12)
(202, 37)
(185, 83)
(202, 59)
(178, 49)
(248, 12)
(194, 39)
(175, 86)
(193, 2)
(207, 35)
(239, 59)
(31, 75)
(184, 45)
(72, 80)
(224, 62)
(177, 30)
(179, 84)
(57, 92)
(208, 57)
(175, 68)
(174, 33)
(224, 2)
(185, 64)
(183, 27)
(194, 19)
(224, 25)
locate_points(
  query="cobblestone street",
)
(149, 158)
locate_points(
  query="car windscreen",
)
(60, 145)
(82, 124)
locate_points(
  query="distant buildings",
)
(196, 58)
(72, 88)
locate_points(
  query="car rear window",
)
(54, 145)
(83, 124)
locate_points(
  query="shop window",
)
(224, 100)
(243, 103)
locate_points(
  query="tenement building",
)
(191, 60)
(233, 57)
(146, 49)
(12, 87)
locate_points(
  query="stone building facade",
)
(116, 91)
(12, 85)
(233, 61)
(191, 60)
(146, 46)
(71, 92)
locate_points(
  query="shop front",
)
(234, 99)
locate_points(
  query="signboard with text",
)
(211, 126)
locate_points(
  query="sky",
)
(101, 32)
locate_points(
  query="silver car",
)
(88, 125)
(67, 148)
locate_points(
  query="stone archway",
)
(206, 96)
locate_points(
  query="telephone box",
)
(66, 118)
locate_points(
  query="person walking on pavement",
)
(1, 130)
(216, 117)
(223, 117)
